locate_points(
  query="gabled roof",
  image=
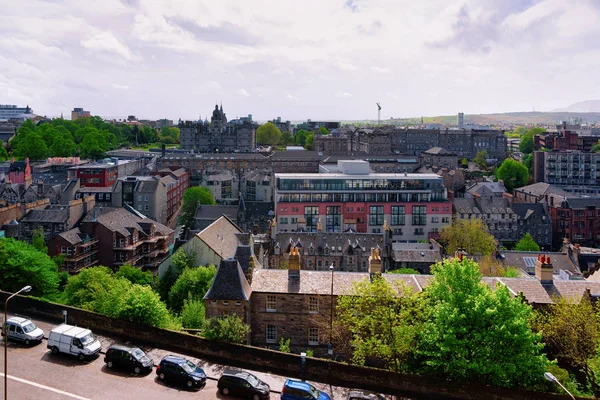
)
(121, 220)
(416, 252)
(526, 210)
(214, 212)
(55, 215)
(220, 237)
(229, 283)
(541, 189)
(439, 151)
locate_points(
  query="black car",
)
(181, 371)
(129, 358)
(356, 394)
(243, 384)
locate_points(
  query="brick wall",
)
(320, 370)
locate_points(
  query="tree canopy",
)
(192, 198)
(268, 134)
(309, 143)
(471, 235)
(22, 264)
(135, 275)
(513, 173)
(230, 328)
(192, 284)
(526, 143)
(474, 333)
(527, 243)
(480, 159)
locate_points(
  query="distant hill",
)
(588, 106)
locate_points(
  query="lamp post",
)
(23, 290)
(552, 378)
(329, 347)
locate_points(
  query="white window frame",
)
(313, 304)
(271, 303)
(312, 334)
(271, 334)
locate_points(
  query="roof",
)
(494, 187)
(72, 236)
(290, 155)
(213, 212)
(581, 203)
(526, 210)
(541, 189)
(476, 205)
(439, 151)
(56, 215)
(416, 252)
(220, 237)
(525, 260)
(119, 219)
(229, 283)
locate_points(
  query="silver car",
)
(23, 330)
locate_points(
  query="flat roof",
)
(373, 175)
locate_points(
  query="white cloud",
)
(380, 70)
(120, 87)
(243, 92)
(392, 95)
(107, 42)
(291, 97)
(343, 95)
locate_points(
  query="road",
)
(35, 373)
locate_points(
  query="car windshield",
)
(139, 354)
(313, 390)
(30, 327)
(188, 366)
(253, 380)
(88, 339)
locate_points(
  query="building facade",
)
(79, 249)
(576, 219)
(414, 206)
(567, 168)
(79, 112)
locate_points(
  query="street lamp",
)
(329, 347)
(23, 290)
(552, 378)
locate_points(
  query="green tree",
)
(135, 275)
(596, 148)
(226, 329)
(323, 130)
(95, 289)
(381, 318)
(193, 314)
(268, 134)
(22, 264)
(471, 235)
(63, 146)
(404, 271)
(300, 137)
(193, 283)
(474, 333)
(38, 240)
(526, 143)
(527, 244)
(309, 144)
(286, 138)
(3, 152)
(480, 159)
(181, 260)
(140, 304)
(284, 345)
(30, 145)
(192, 198)
(528, 162)
(464, 163)
(93, 147)
(513, 173)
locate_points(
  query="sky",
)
(318, 59)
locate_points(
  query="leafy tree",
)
(286, 138)
(480, 159)
(596, 148)
(226, 329)
(490, 266)
(528, 162)
(22, 264)
(268, 134)
(381, 319)
(309, 144)
(323, 130)
(38, 240)
(300, 137)
(30, 145)
(192, 283)
(3, 152)
(513, 173)
(404, 271)
(474, 333)
(142, 305)
(193, 314)
(193, 197)
(181, 260)
(520, 130)
(469, 234)
(527, 244)
(63, 146)
(464, 163)
(526, 143)
(93, 147)
(135, 275)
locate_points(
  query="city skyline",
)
(319, 60)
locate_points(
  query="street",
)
(35, 373)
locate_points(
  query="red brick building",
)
(97, 175)
(20, 172)
(80, 250)
(576, 219)
(177, 181)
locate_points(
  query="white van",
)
(73, 340)
(22, 329)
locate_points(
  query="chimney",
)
(374, 263)
(294, 263)
(543, 269)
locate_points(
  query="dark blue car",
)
(298, 390)
(181, 371)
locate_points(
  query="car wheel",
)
(109, 364)
(161, 376)
(190, 384)
(137, 370)
(54, 350)
(225, 391)
(27, 342)
(81, 357)
(256, 397)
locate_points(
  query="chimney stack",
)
(543, 269)
(294, 263)
(374, 262)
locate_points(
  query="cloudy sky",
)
(319, 59)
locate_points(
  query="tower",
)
(378, 114)
(461, 120)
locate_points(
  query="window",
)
(225, 302)
(333, 219)
(140, 198)
(146, 198)
(63, 249)
(398, 215)
(146, 208)
(271, 334)
(313, 304)
(283, 221)
(313, 336)
(271, 303)
(419, 215)
(445, 220)
(376, 215)
(435, 220)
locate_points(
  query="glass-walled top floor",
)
(358, 184)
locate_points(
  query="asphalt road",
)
(34, 373)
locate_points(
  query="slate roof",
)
(439, 151)
(541, 189)
(73, 236)
(229, 283)
(338, 242)
(294, 155)
(526, 210)
(525, 260)
(220, 237)
(257, 209)
(415, 252)
(494, 187)
(54, 215)
(121, 220)
(476, 205)
(213, 212)
(581, 203)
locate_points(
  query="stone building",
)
(496, 213)
(439, 157)
(218, 136)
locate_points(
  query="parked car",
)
(299, 390)
(22, 330)
(243, 384)
(129, 358)
(356, 394)
(74, 340)
(181, 371)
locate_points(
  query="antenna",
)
(378, 114)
